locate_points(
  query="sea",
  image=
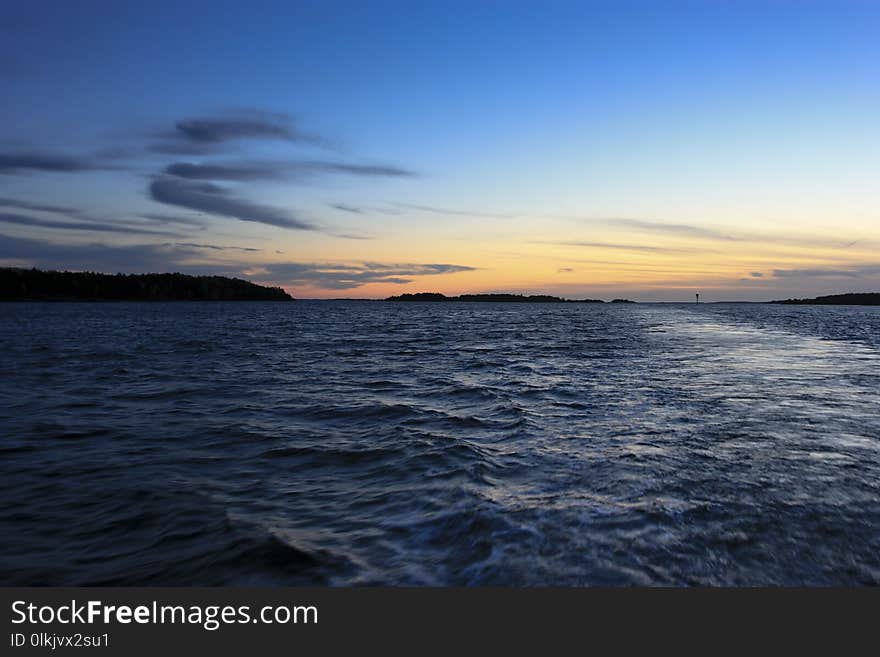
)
(438, 444)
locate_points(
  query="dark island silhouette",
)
(491, 298)
(849, 299)
(38, 285)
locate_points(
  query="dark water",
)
(367, 443)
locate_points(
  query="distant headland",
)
(37, 285)
(495, 298)
(850, 299)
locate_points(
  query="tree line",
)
(36, 284)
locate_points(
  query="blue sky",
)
(595, 149)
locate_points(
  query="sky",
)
(652, 150)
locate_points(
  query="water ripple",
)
(374, 443)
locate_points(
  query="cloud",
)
(341, 276)
(344, 207)
(212, 199)
(26, 220)
(700, 232)
(355, 209)
(238, 172)
(352, 236)
(189, 258)
(137, 258)
(854, 271)
(665, 228)
(623, 247)
(13, 163)
(260, 125)
(36, 207)
(205, 134)
(247, 171)
(378, 170)
(447, 211)
(757, 274)
(564, 270)
(173, 219)
(214, 247)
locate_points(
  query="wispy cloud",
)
(14, 163)
(612, 245)
(248, 171)
(213, 199)
(98, 257)
(205, 134)
(188, 257)
(344, 207)
(173, 219)
(453, 212)
(853, 271)
(238, 172)
(376, 170)
(36, 207)
(93, 226)
(725, 235)
(687, 230)
(215, 247)
(352, 236)
(343, 276)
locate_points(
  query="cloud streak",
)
(36, 207)
(615, 246)
(15, 163)
(453, 212)
(249, 171)
(212, 199)
(341, 276)
(208, 134)
(854, 271)
(166, 219)
(686, 230)
(186, 257)
(242, 172)
(139, 258)
(215, 247)
(36, 222)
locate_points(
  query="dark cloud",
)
(379, 170)
(36, 222)
(757, 274)
(212, 199)
(257, 126)
(564, 270)
(247, 171)
(205, 134)
(12, 163)
(238, 172)
(36, 207)
(215, 247)
(171, 147)
(346, 208)
(137, 258)
(342, 276)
